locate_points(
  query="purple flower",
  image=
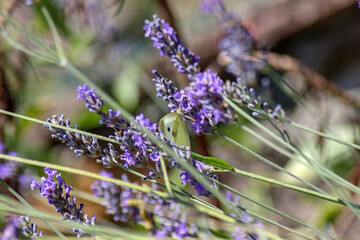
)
(165, 39)
(243, 62)
(81, 144)
(238, 47)
(155, 156)
(206, 91)
(58, 195)
(136, 148)
(128, 158)
(93, 102)
(11, 171)
(201, 190)
(201, 119)
(186, 178)
(278, 113)
(113, 119)
(146, 123)
(54, 192)
(202, 102)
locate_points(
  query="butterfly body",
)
(173, 127)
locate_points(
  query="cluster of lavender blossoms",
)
(165, 39)
(135, 149)
(201, 103)
(162, 218)
(58, 195)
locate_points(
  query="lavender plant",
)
(164, 208)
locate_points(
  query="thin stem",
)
(59, 126)
(265, 219)
(205, 207)
(299, 126)
(267, 142)
(272, 164)
(323, 170)
(60, 50)
(20, 47)
(280, 184)
(165, 176)
(292, 187)
(83, 173)
(29, 35)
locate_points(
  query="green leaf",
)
(211, 161)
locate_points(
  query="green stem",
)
(20, 47)
(205, 207)
(56, 37)
(298, 98)
(272, 164)
(29, 35)
(265, 219)
(59, 126)
(293, 187)
(166, 177)
(326, 197)
(83, 173)
(267, 142)
(299, 126)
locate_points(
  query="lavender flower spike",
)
(29, 228)
(165, 39)
(129, 205)
(58, 194)
(93, 102)
(81, 144)
(201, 119)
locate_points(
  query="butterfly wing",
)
(180, 133)
(173, 127)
